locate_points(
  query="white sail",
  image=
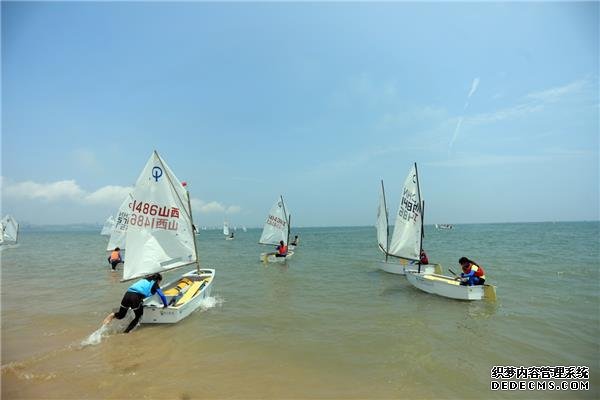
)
(277, 225)
(108, 226)
(10, 230)
(225, 228)
(382, 222)
(159, 235)
(406, 240)
(118, 233)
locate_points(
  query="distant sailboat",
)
(276, 229)
(411, 215)
(119, 229)
(444, 226)
(403, 251)
(160, 238)
(10, 231)
(227, 231)
(108, 226)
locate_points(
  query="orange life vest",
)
(479, 272)
(283, 249)
(115, 256)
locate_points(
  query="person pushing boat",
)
(115, 258)
(134, 297)
(472, 273)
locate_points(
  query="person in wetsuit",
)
(134, 297)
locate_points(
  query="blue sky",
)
(497, 103)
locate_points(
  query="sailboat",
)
(10, 231)
(410, 215)
(444, 226)
(227, 231)
(276, 228)
(108, 226)
(160, 238)
(402, 254)
(119, 229)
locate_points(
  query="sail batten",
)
(159, 233)
(406, 239)
(276, 226)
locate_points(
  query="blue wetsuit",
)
(134, 297)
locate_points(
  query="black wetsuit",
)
(134, 301)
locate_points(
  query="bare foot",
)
(108, 318)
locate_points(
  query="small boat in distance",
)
(276, 229)
(108, 226)
(9, 228)
(228, 231)
(444, 226)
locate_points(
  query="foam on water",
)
(96, 337)
(211, 302)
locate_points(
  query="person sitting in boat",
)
(115, 258)
(281, 249)
(423, 257)
(231, 234)
(295, 241)
(472, 273)
(134, 297)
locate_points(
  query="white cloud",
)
(108, 195)
(63, 190)
(233, 209)
(213, 207)
(474, 86)
(67, 189)
(554, 94)
(531, 103)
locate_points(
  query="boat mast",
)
(387, 225)
(193, 233)
(288, 217)
(421, 236)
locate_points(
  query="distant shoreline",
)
(98, 227)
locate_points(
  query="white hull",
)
(229, 238)
(393, 266)
(291, 247)
(272, 259)
(154, 313)
(446, 286)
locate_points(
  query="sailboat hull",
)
(154, 313)
(269, 258)
(395, 267)
(446, 286)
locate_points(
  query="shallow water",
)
(327, 324)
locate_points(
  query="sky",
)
(497, 103)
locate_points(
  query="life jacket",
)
(479, 272)
(115, 256)
(283, 249)
(143, 287)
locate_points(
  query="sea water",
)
(327, 324)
